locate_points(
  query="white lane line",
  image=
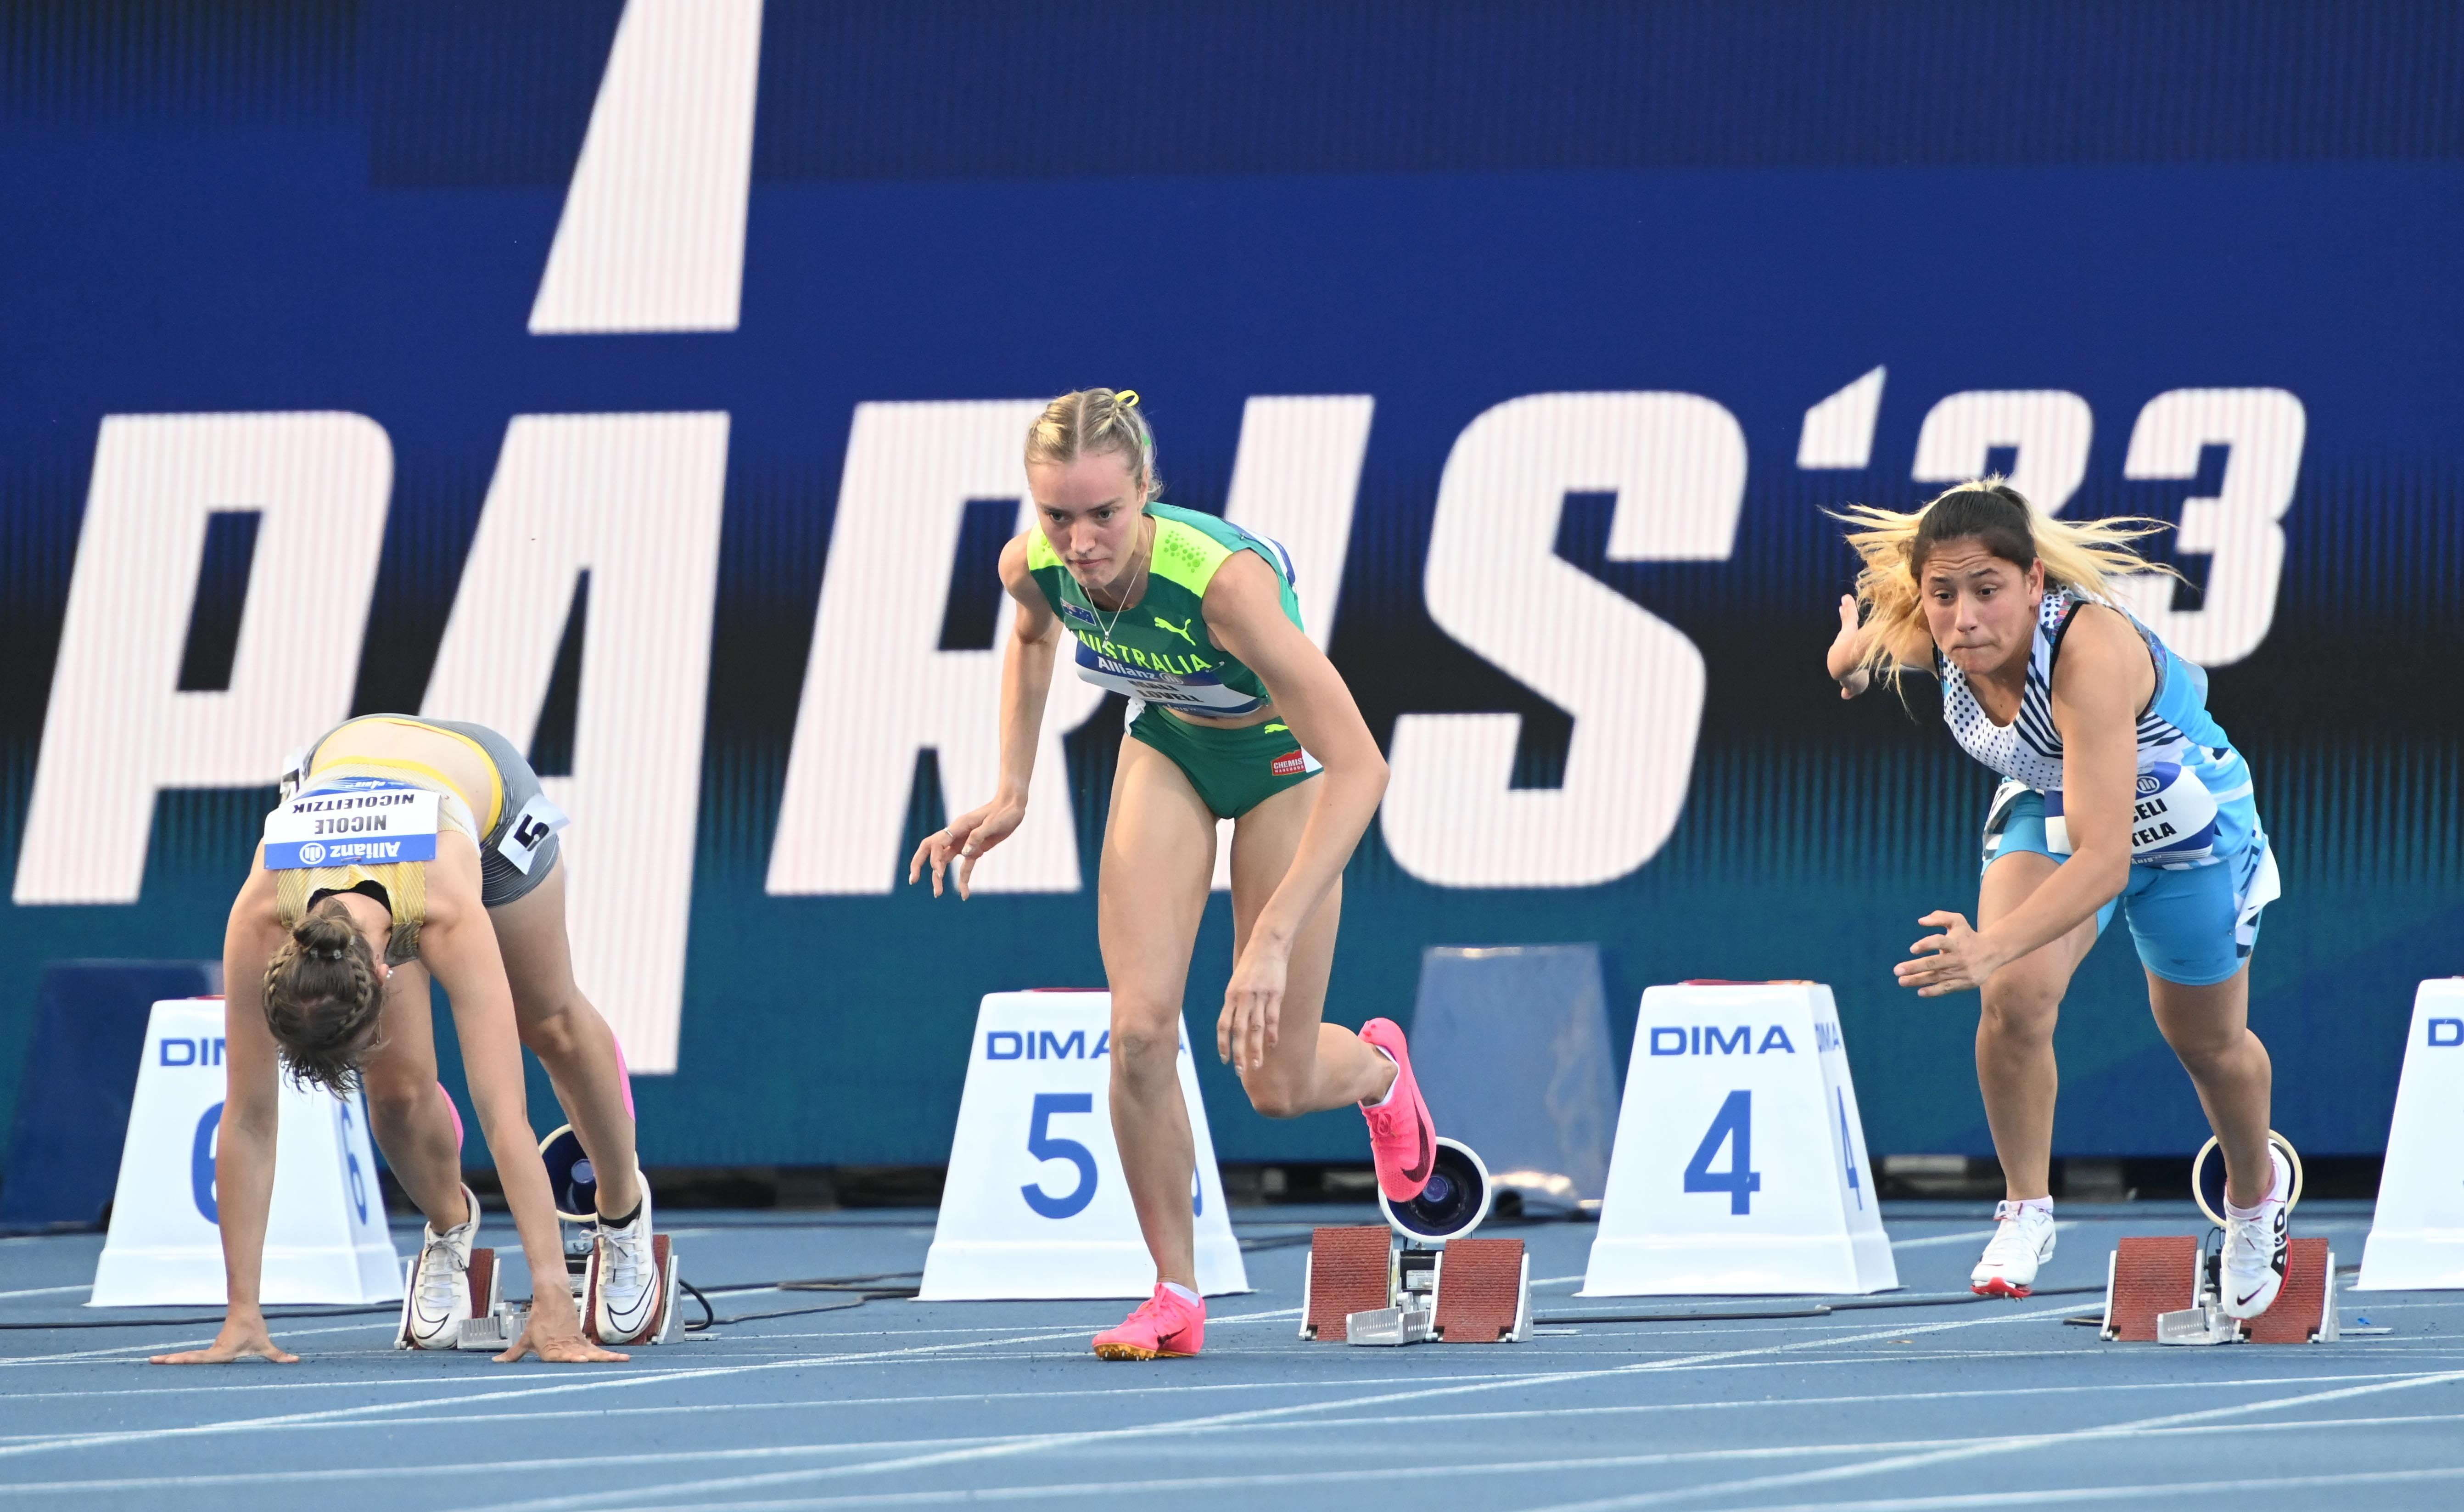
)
(1082, 1490)
(2186, 1491)
(49, 1291)
(160, 1346)
(590, 1384)
(2013, 1444)
(1202, 1425)
(975, 1398)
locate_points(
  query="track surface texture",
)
(897, 1403)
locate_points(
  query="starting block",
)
(492, 1327)
(1421, 1277)
(2166, 1289)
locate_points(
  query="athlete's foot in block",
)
(1402, 1138)
(441, 1290)
(2256, 1246)
(624, 1300)
(1166, 1325)
(2022, 1243)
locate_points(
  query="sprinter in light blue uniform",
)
(2120, 790)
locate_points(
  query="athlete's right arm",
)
(243, 1148)
(1026, 678)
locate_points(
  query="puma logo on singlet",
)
(1181, 630)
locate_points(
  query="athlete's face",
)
(1089, 510)
(1981, 609)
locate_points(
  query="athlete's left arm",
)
(2099, 683)
(1245, 613)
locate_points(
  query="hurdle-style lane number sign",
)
(325, 1236)
(1740, 1163)
(1035, 1205)
(2417, 1231)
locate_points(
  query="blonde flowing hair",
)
(2088, 557)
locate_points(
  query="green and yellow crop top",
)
(1158, 651)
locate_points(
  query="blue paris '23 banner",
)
(646, 380)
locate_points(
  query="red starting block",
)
(1363, 1287)
(2165, 1290)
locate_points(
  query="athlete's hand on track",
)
(558, 1340)
(1253, 1007)
(240, 1339)
(1847, 649)
(1953, 961)
(967, 838)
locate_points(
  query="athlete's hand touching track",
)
(1847, 649)
(967, 838)
(241, 1338)
(1953, 961)
(1253, 1007)
(557, 1340)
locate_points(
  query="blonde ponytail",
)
(2089, 557)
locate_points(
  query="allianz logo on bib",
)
(279, 856)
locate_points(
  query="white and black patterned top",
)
(2176, 727)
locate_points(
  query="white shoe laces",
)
(628, 1256)
(2017, 1238)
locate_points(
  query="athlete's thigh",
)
(1151, 890)
(537, 954)
(2013, 877)
(1264, 842)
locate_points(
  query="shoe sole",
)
(1130, 1351)
(1998, 1287)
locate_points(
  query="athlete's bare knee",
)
(1144, 1054)
(1275, 1094)
(2021, 1008)
(556, 1034)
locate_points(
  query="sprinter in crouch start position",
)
(326, 964)
(1234, 714)
(2119, 789)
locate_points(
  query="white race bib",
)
(2172, 819)
(352, 821)
(530, 830)
(1201, 692)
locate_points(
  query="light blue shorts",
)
(2196, 925)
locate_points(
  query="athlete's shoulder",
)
(1030, 552)
(1191, 547)
(2101, 654)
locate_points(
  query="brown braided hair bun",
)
(321, 999)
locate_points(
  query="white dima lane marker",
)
(1202, 1425)
(1186, 1483)
(47, 1291)
(2013, 1444)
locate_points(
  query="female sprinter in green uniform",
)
(2119, 789)
(326, 965)
(1232, 711)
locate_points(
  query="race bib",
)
(354, 821)
(1199, 692)
(2172, 819)
(530, 830)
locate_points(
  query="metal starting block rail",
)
(1420, 1277)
